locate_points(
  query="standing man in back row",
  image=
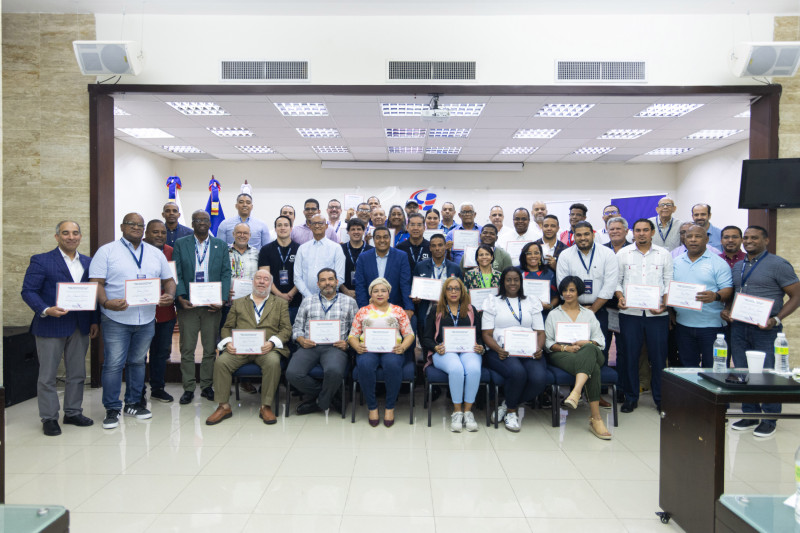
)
(259, 232)
(175, 230)
(667, 233)
(577, 213)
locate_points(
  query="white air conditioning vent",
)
(601, 71)
(440, 158)
(432, 70)
(255, 71)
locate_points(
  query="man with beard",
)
(551, 246)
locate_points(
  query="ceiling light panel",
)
(406, 133)
(464, 110)
(563, 110)
(183, 149)
(669, 151)
(146, 133)
(120, 112)
(449, 132)
(331, 149)
(593, 150)
(302, 110)
(198, 108)
(518, 150)
(415, 110)
(318, 132)
(255, 149)
(624, 134)
(536, 134)
(231, 132)
(667, 110)
(712, 134)
(405, 149)
(448, 150)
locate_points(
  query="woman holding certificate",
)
(450, 341)
(576, 343)
(534, 268)
(513, 332)
(380, 335)
(485, 276)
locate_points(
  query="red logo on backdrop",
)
(424, 198)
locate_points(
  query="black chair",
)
(318, 374)
(499, 381)
(434, 376)
(608, 378)
(253, 371)
(409, 376)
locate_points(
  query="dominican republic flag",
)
(173, 186)
(213, 207)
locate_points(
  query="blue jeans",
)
(463, 374)
(160, 350)
(696, 345)
(124, 346)
(392, 364)
(525, 377)
(634, 330)
(749, 337)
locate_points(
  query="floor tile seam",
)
(606, 502)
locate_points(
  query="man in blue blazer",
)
(199, 258)
(58, 331)
(436, 267)
(387, 262)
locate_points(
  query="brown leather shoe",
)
(267, 415)
(219, 415)
(604, 404)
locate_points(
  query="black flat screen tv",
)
(770, 183)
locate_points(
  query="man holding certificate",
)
(645, 271)
(759, 279)
(204, 276)
(461, 235)
(437, 267)
(63, 323)
(321, 329)
(257, 330)
(128, 316)
(386, 262)
(701, 284)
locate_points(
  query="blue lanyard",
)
(259, 310)
(591, 259)
(205, 251)
(141, 254)
(350, 254)
(664, 237)
(288, 253)
(458, 315)
(519, 303)
(411, 249)
(324, 310)
(750, 272)
(438, 271)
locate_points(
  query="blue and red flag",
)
(424, 198)
(173, 186)
(213, 207)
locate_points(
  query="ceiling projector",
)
(435, 115)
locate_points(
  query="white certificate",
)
(248, 341)
(643, 296)
(428, 233)
(540, 288)
(426, 288)
(684, 295)
(751, 309)
(469, 256)
(208, 293)
(572, 332)
(380, 340)
(514, 248)
(352, 201)
(465, 237)
(76, 296)
(478, 296)
(520, 342)
(613, 320)
(323, 331)
(142, 291)
(459, 340)
(242, 288)
(174, 270)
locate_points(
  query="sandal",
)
(605, 435)
(571, 401)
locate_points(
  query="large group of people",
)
(358, 291)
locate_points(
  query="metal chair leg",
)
(353, 415)
(411, 403)
(556, 419)
(496, 404)
(486, 392)
(236, 387)
(344, 398)
(614, 404)
(428, 401)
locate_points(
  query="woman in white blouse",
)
(578, 349)
(525, 377)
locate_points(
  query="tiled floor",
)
(312, 474)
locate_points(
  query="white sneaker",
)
(500, 412)
(469, 421)
(456, 421)
(512, 422)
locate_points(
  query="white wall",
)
(686, 49)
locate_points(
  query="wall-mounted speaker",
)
(765, 59)
(108, 57)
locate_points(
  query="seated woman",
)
(380, 314)
(463, 367)
(485, 276)
(533, 267)
(525, 377)
(432, 219)
(397, 221)
(582, 357)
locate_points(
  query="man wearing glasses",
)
(667, 233)
(335, 221)
(466, 212)
(302, 234)
(609, 212)
(314, 255)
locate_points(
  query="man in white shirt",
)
(667, 226)
(335, 221)
(539, 211)
(641, 266)
(610, 211)
(523, 231)
(496, 217)
(314, 255)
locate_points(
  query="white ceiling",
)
(361, 126)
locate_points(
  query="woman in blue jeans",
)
(380, 314)
(463, 367)
(525, 377)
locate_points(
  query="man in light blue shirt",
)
(697, 329)
(701, 215)
(259, 232)
(314, 255)
(466, 213)
(127, 330)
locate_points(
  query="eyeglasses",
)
(312, 209)
(457, 288)
(134, 225)
(666, 205)
(607, 213)
(317, 224)
(467, 212)
(200, 221)
(335, 207)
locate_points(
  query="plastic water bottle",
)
(720, 353)
(781, 354)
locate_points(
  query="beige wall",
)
(45, 144)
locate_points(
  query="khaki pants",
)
(191, 322)
(228, 363)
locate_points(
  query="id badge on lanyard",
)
(283, 277)
(141, 276)
(353, 277)
(587, 283)
(199, 276)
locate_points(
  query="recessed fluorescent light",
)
(405, 149)
(449, 132)
(302, 110)
(318, 132)
(593, 150)
(146, 133)
(415, 110)
(624, 134)
(331, 149)
(666, 110)
(406, 133)
(120, 112)
(563, 110)
(536, 134)
(464, 110)
(231, 132)
(668, 151)
(449, 150)
(198, 108)
(712, 134)
(518, 150)
(183, 149)
(256, 149)
(743, 114)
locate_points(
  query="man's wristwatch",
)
(717, 297)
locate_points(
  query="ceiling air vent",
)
(256, 71)
(601, 71)
(432, 70)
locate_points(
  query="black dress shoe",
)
(186, 397)
(78, 420)
(620, 396)
(628, 407)
(658, 407)
(208, 394)
(51, 428)
(308, 407)
(336, 403)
